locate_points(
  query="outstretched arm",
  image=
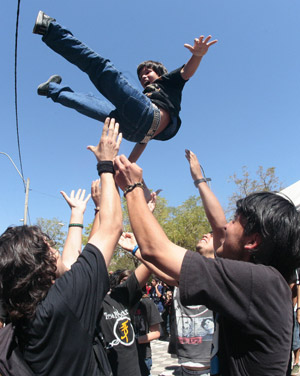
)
(198, 50)
(154, 244)
(110, 215)
(72, 246)
(128, 242)
(212, 206)
(136, 152)
(96, 196)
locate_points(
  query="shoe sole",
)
(38, 22)
(44, 87)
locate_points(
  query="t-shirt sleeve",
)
(153, 316)
(224, 286)
(175, 79)
(84, 287)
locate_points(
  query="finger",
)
(111, 127)
(212, 42)
(119, 140)
(87, 198)
(65, 196)
(116, 130)
(78, 194)
(91, 148)
(201, 39)
(189, 47)
(82, 195)
(125, 161)
(105, 127)
(72, 194)
(207, 39)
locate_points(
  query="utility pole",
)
(26, 189)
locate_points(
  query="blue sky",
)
(240, 108)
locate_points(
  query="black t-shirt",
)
(166, 93)
(255, 312)
(117, 329)
(60, 337)
(145, 316)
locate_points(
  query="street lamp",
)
(26, 190)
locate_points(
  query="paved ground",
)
(161, 360)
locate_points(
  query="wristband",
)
(75, 225)
(134, 250)
(105, 166)
(130, 188)
(297, 309)
(198, 181)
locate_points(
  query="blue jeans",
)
(132, 109)
(148, 362)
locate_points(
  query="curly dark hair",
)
(116, 277)
(27, 270)
(156, 66)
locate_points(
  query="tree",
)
(266, 180)
(53, 228)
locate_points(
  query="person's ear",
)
(252, 241)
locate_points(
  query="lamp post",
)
(26, 189)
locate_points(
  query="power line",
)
(16, 93)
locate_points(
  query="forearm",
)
(73, 243)
(151, 336)
(95, 226)
(190, 67)
(161, 275)
(110, 217)
(136, 152)
(154, 244)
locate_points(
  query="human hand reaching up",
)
(200, 46)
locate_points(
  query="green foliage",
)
(265, 180)
(53, 228)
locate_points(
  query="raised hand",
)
(195, 167)
(127, 173)
(76, 202)
(109, 143)
(96, 193)
(127, 241)
(201, 45)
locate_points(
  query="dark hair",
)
(116, 277)
(156, 66)
(27, 270)
(277, 221)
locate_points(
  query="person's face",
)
(147, 76)
(234, 242)
(209, 326)
(205, 245)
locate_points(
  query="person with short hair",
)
(153, 114)
(247, 284)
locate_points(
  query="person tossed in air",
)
(153, 114)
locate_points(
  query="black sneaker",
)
(44, 87)
(42, 23)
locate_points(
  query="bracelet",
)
(76, 225)
(198, 181)
(130, 188)
(96, 211)
(134, 250)
(297, 309)
(105, 166)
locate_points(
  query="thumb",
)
(189, 47)
(91, 148)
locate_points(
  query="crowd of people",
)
(226, 309)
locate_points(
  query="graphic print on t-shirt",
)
(195, 324)
(122, 330)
